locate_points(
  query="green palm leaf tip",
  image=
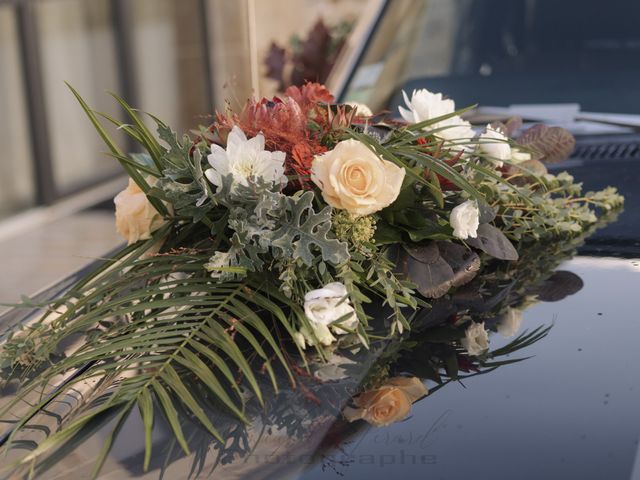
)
(175, 327)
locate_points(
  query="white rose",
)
(353, 178)
(476, 339)
(318, 331)
(323, 308)
(425, 105)
(136, 218)
(245, 159)
(518, 155)
(465, 219)
(328, 304)
(495, 145)
(361, 109)
(510, 323)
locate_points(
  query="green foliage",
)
(167, 322)
(301, 230)
(268, 225)
(357, 230)
(183, 184)
(555, 207)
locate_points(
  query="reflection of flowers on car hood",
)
(509, 324)
(476, 339)
(386, 404)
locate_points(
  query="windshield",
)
(505, 52)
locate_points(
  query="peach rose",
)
(353, 178)
(386, 404)
(136, 218)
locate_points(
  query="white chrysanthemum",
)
(494, 144)
(476, 339)
(426, 105)
(245, 159)
(465, 219)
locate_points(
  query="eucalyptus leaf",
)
(436, 267)
(493, 242)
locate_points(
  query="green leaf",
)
(118, 153)
(493, 242)
(171, 414)
(145, 404)
(173, 380)
(148, 140)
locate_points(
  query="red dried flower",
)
(284, 122)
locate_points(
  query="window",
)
(16, 169)
(154, 53)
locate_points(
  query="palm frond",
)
(169, 321)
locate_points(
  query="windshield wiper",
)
(567, 115)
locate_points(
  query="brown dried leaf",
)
(555, 144)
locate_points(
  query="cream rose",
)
(495, 145)
(136, 218)
(388, 403)
(465, 220)
(353, 178)
(476, 339)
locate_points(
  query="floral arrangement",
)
(292, 230)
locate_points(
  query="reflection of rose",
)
(388, 403)
(476, 339)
